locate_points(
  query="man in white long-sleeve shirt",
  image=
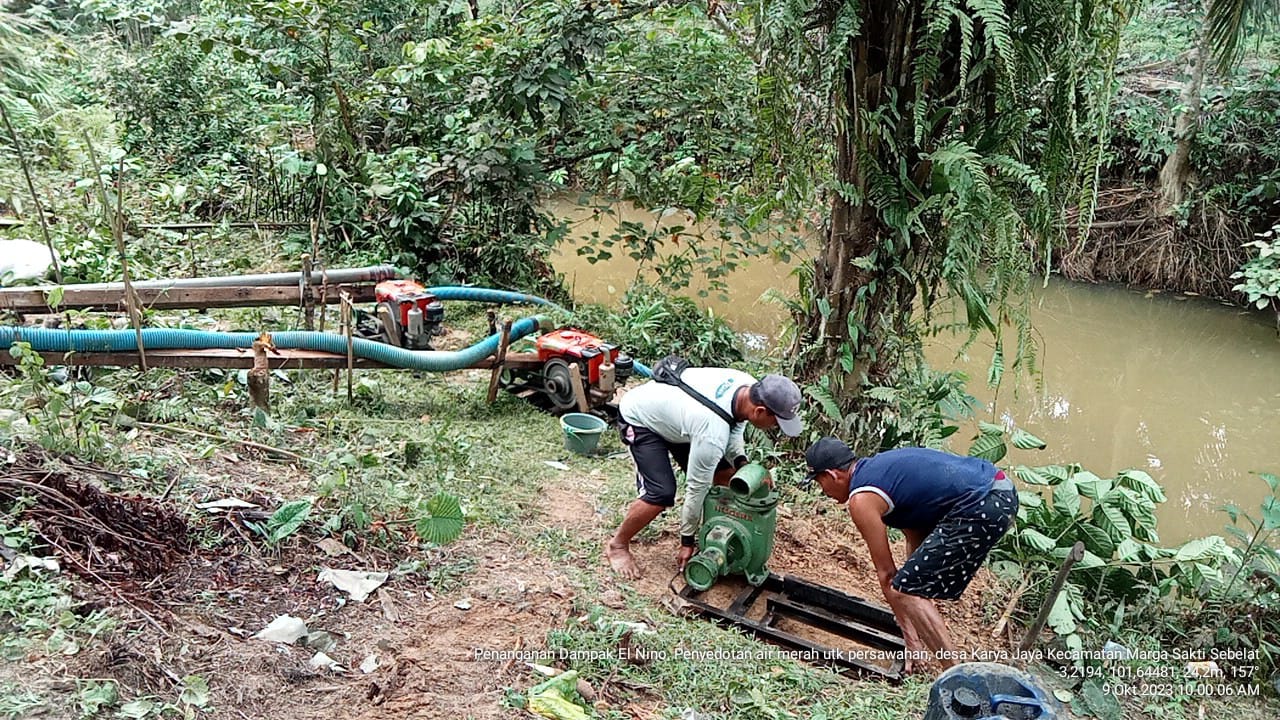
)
(660, 421)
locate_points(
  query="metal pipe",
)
(373, 273)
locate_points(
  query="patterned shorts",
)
(945, 563)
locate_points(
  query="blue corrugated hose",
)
(452, 292)
(53, 340)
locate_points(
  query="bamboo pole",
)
(35, 198)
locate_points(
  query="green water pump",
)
(737, 530)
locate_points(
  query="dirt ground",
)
(429, 649)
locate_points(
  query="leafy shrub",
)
(652, 324)
(1125, 575)
(1260, 277)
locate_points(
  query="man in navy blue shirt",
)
(951, 509)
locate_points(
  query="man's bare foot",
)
(621, 561)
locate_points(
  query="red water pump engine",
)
(408, 314)
(602, 367)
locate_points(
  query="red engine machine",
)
(602, 368)
(408, 315)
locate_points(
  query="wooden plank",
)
(265, 225)
(519, 361)
(220, 358)
(24, 300)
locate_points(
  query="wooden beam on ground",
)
(24, 300)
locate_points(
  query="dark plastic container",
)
(989, 691)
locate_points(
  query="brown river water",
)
(1181, 387)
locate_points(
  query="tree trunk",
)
(870, 303)
(1177, 167)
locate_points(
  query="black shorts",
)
(652, 453)
(945, 563)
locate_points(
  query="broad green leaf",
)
(1061, 619)
(1112, 521)
(1271, 479)
(1206, 548)
(1037, 539)
(1130, 551)
(1089, 561)
(1101, 704)
(1207, 573)
(1036, 476)
(286, 521)
(1271, 513)
(1092, 486)
(987, 428)
(1028, 499)
(195, 691)
(988, 447)
(1141, 482)
(444, 520)
(1024, 440)
(1066, 499)
(137, 709)
(1097, 540)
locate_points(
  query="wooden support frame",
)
(34, 301)
(499, 359)
(579, 391)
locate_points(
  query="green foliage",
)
(1242, 609)
(37, 602)
(285, 521)
(25, 80)
(957, 140)
(652, 324)
(1125, 575)
(58, 411)
(442, 521)
(1260, 276)
(1236, 154)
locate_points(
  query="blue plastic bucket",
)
(582, 432)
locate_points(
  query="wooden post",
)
(579, 392)
(259, 377)
(499, 358)
(1033, 632)
(347, 322)
(304, 294)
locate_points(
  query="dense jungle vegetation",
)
(935, 151)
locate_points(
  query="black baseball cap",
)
(827, 453)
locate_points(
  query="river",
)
(1184, 388)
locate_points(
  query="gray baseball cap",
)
(782, 397)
